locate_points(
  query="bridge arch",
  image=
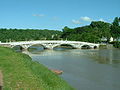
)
(17, 47)
(95, 47)
(37, 45)
(64, 46)
(85, 46)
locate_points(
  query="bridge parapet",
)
(49, 44)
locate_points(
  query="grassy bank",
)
(21, 73)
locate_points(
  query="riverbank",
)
(20, 72)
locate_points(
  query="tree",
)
(102, 28)
(116, 21)
(66, 32)
(115, 28)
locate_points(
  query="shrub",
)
(116, 44)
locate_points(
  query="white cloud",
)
(38, 15)
(76, 21)
(87, 19)
(101, 20)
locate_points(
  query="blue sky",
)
(55, 14)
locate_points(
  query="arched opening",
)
(85, 47)
(63, 47)
(95, 47)
(36, 48)
(17, 48)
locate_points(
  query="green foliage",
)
(21, 73)
(93, 32)
(28, 34)
(66, 31)
(116, 44)
(116, 21)
(115, 28)
(102, 28)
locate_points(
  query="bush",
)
(116, 44)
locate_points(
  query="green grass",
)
(21, 73)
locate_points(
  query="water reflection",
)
(105, 56)
(62, 48)
(36, 49)
(102, 56)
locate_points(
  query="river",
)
(88, 69)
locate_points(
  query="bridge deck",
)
(49, 43)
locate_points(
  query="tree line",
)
(90, 33)
(94, 32)
(7, 35)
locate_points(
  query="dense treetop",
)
(93, 32)
(27, 34)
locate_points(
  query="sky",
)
(56, 14)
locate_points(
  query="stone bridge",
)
(49, 44)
